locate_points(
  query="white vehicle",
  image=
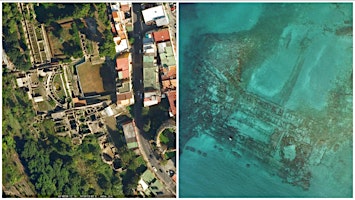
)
(155, 169)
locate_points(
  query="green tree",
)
(146, 126)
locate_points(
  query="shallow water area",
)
(266, 112)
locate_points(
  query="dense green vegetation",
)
(169, 155)
(168, 137)
(154, 116)
(58, 168)
(134, 165)
(72, 47)
(54, 165)
(16, 113)
(14, 42)
(50, 12)
(107, 48)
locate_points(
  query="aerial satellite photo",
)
(89, 100)
(265, 105)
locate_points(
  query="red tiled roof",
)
(122, 64)
(169, 84)
(125, 8)
(161, 36)
(115, 14)
(125, 74)
(172, 101)
(169, 73)
(124, 96)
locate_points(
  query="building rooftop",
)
(125, 7)
(143, 184)
(151, 14)
(162, 21)
(123, 96)
(154, 185)
(115, 15)
(114, 7)
(168, 72)
(122, 66)
(125, 87)
(149, 48)
(109, 111)
(147, 40)
(161, 36)
(126, 98)
(148, 59)
(121, 44)
(166, 54)
(120, 31)
(130, 134)
(172, 101)
(151, 98)
(169, 84)
(150, 78)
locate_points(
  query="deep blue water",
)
(308, 40)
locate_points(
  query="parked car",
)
(155, 169)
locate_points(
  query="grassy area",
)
(58, 86)
(89, 46)
(64, 40)
(90, 78)
(45, 106)
(96, 79)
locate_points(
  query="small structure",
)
(169, 84)
(162, 22)
(115, 16)
(151, 98)
(114, 7)
(150, 184)
(172, 102)
(21, 82)
(161, 36)
(38, 99)
(129, 130)
(166, 53)
(122, 66)
(109, 111)
(151, 15)
(168, 73)
(152, 93)
(125, 99)
(125, 6)
(120, 44)
(149, 48)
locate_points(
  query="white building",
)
(120, 45)
(155, 14)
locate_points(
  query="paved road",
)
(139, 29)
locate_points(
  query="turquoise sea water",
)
(296, 58)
